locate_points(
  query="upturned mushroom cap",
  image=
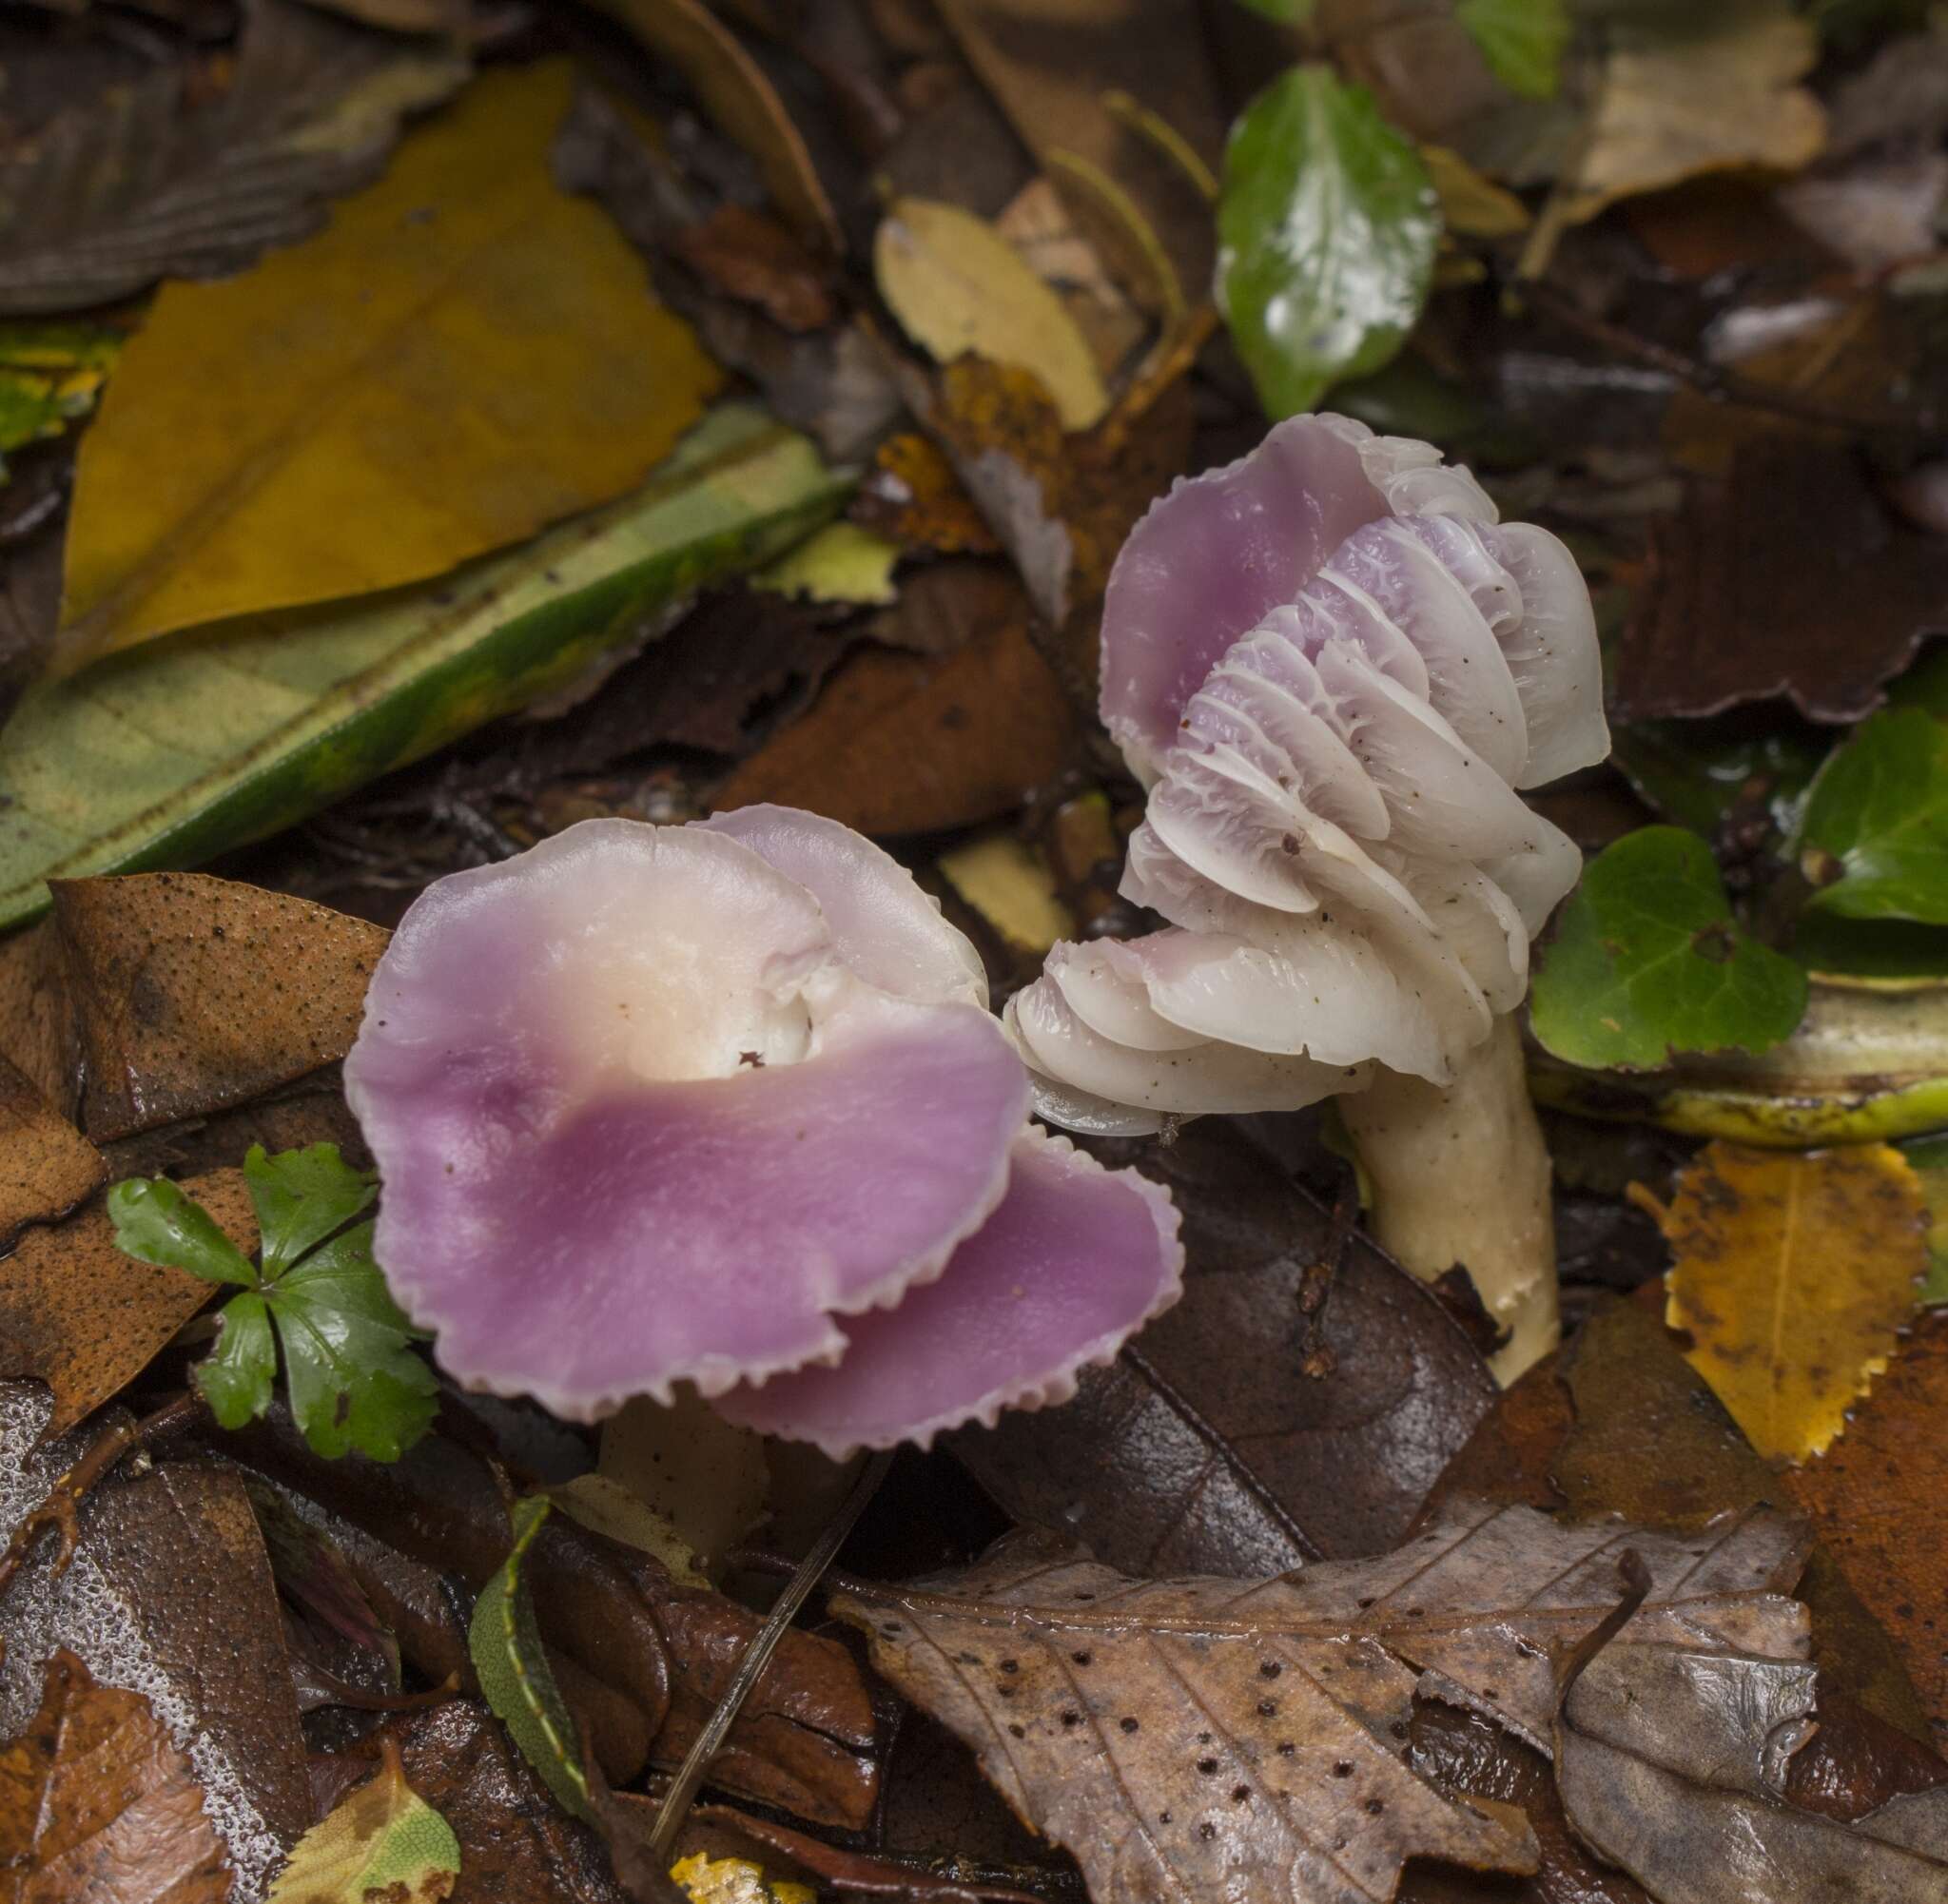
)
(663, 1104)
(1335, 668)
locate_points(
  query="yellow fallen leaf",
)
(1010, 886)
(842, 563)
(1717, 94)
(1793, 1273)
(957, 286)
(384, 1841)
(732, 1880)
(465, 355)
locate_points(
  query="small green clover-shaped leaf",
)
(1647, 961)
(1326, 228)
(237, 1376)
(355, 1380)
(156, 1223)
(302, 1196)
(1873, 837)
(1521, 40)
(317, 1293)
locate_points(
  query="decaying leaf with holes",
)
(1795, 1272)
(1210, 1737)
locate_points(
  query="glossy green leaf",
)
(1873, 837)
(1647, 961)
(1694, 772)
(1522, 40)
(1929, 1156)
(515, 1680)
(355, 1382)
(238, 1374)
(301, 1198)
(179, 750)
(1326, 228)
(156, 1223)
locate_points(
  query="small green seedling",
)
(353, 1378)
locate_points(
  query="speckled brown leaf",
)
(1230, 1460)
(78, 1315)
(46, 1166)
(1770, 559)
(912, 494)
(1203, 1738)
(1879, 1497)
(190, 993)
(905, 743)
(1671, 1763)
(97, 1803)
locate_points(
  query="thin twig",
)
(1727, 386)
(62, 1505)
(1315, 1359)
(1636, 1578)
(690, 1773)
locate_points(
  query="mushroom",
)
(1333, 668)
(723, 1104)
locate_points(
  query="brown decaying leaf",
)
(516, 1843)
(1229, 1459)
(1468, 1753)
(904, 743)
(1672, 105)
(1050, 68)
(1880, 1499)
(177, 994)
(1770, 559)
(805, 1740)
(78, 1315)
(97, 1802)
(736, 94)
(1670, 1762)
(749, 256)
(1200, 1736)
(1794, 1273)
(46, 1166)
(157, 179)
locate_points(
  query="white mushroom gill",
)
(1335, 668)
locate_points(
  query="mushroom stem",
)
(1460, 1173)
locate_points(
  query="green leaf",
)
(1929, 1156)
(302, 1196)
(156, 1223)
(515, 1680)
(355, 1382)
(49, 374)
(1874, 834)
(176, 751)
(1522, 40)
(237, 1376)
(1869, 948)
(1287, 12)
(1648, 962)
(384, 1841)
(1695, 772)
(1326, 228)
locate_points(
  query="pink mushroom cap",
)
(714, 1103)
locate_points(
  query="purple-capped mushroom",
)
(723, 1104)
(1333, 667)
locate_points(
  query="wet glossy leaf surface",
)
(1874, 836)
(1326, 228)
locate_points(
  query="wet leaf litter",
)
(1198, 1428)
